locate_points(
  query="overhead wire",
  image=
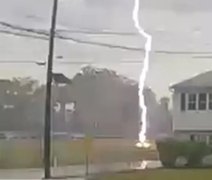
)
(44, 36)
(43, 63)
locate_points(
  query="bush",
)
(169, 150)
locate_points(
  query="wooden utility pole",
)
(47, 128)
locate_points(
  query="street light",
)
(47, 128)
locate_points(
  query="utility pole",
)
(47, 128)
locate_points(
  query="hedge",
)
(169, 150)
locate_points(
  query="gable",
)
(202, 80)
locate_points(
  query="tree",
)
(105, 104)
(16, 100)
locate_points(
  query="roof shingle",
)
(200, 80)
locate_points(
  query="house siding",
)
(190, 120)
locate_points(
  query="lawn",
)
(161, 174)
(28, 153)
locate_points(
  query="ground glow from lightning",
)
(148, 45)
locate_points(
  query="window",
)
(202, 101)
(183, 102)
(210, 139)
(192, 98)
(210, 102)
(192, 138)
(201, 138)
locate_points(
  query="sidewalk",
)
(68, 171)
(71, 171)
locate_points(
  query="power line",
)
(101, 62)
(97, 32)
(23, 35)
(113, 46)
(41, 32)
(18, 62)
(78, 31)
(202, 57)
(70, 62)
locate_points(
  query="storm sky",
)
(175, 25)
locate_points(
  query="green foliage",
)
(29, 153)
(158, 174)
(169, 150)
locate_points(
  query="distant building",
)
(192, 108)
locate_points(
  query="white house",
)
(192, 108)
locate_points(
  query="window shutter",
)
(183, 102)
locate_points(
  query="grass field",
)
(28, 153)
(161, 174)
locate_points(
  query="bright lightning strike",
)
(148, 46)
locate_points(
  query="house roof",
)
(200, 80)
(61, 78)
(5, 81)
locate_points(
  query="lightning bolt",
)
(142, 78)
